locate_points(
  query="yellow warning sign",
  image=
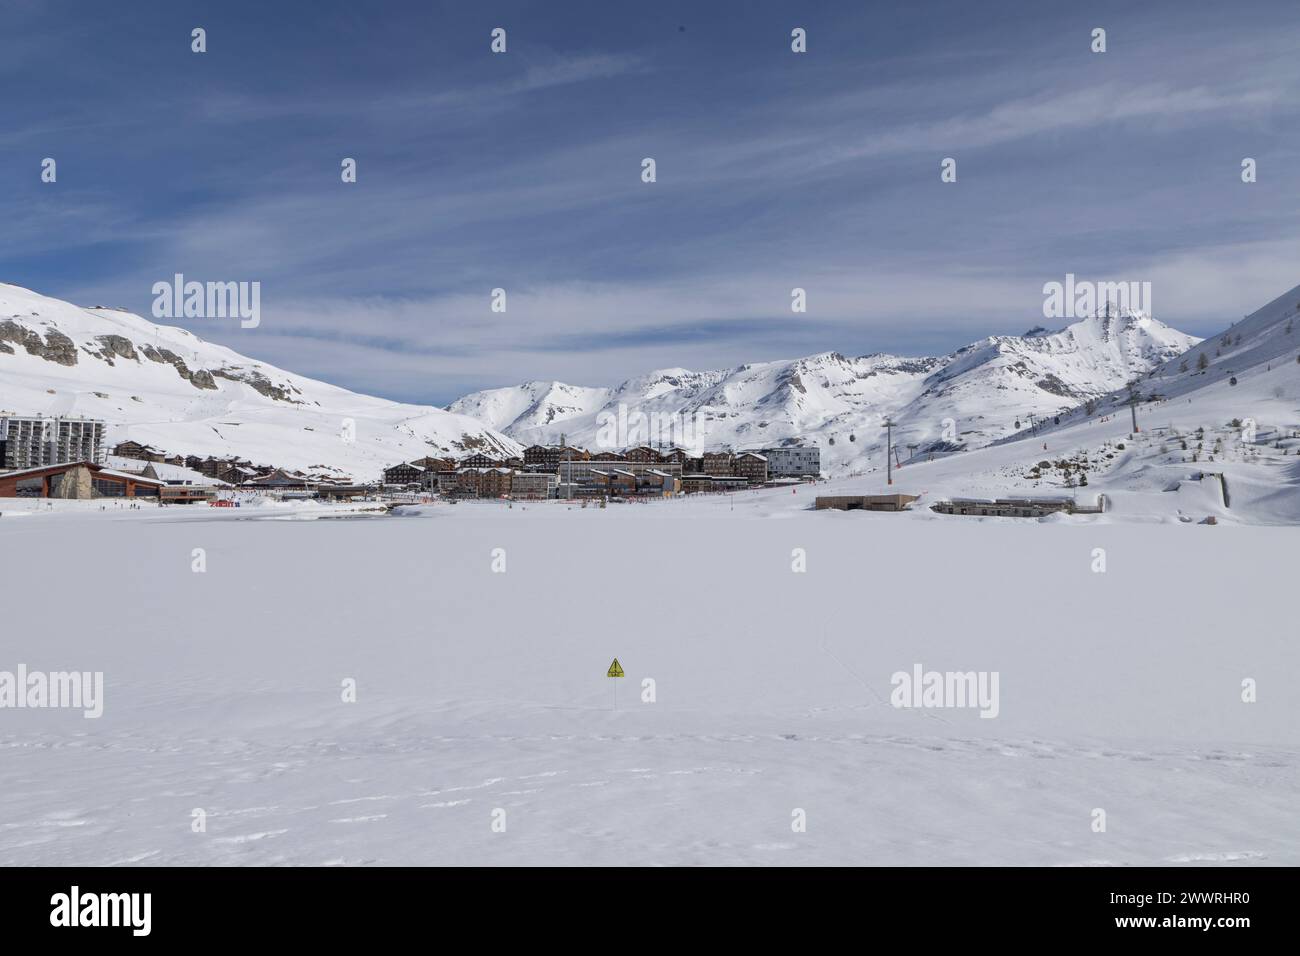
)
(615, 669)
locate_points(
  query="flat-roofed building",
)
(793, 461)
(864, 502)
(704, 484)
(1026, 507)
(533, 485)
(576, 474)
(35, 440)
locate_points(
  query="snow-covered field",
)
(484, 729)
(481, 690)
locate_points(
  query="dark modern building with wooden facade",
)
(77, 479)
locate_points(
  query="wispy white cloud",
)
(523, 172)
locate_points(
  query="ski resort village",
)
(1021, 603)
(63, 458)
(1115, 415)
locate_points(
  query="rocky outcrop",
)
(259, 383)
(115, 346)
(200, 378)
(54, 347)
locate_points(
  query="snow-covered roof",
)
(138, 479)
(32, 471)
(93, 466)
(168, 473)
(1015, 500)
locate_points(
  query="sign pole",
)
(615, 671)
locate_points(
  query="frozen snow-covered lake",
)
(480, 691)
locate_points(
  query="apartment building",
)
(793, 461)
(533, 485)
(577, 474)
(717, 462)
(480, 460)
(476, 482)
(434, 465)
(697, 484)
(404, 473)
(642, 454)
(137, 452)
(548, 457)
(36, 441)
(751, 466)
(494, 482)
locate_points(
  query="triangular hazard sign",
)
(615, 669)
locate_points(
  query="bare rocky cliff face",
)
(53, 346)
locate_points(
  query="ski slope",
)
(166, 387)
(987, 390)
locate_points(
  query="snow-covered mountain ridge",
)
(164, 386)
(975, 395)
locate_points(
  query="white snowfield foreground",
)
(479, 691)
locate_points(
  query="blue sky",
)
(522, 171)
